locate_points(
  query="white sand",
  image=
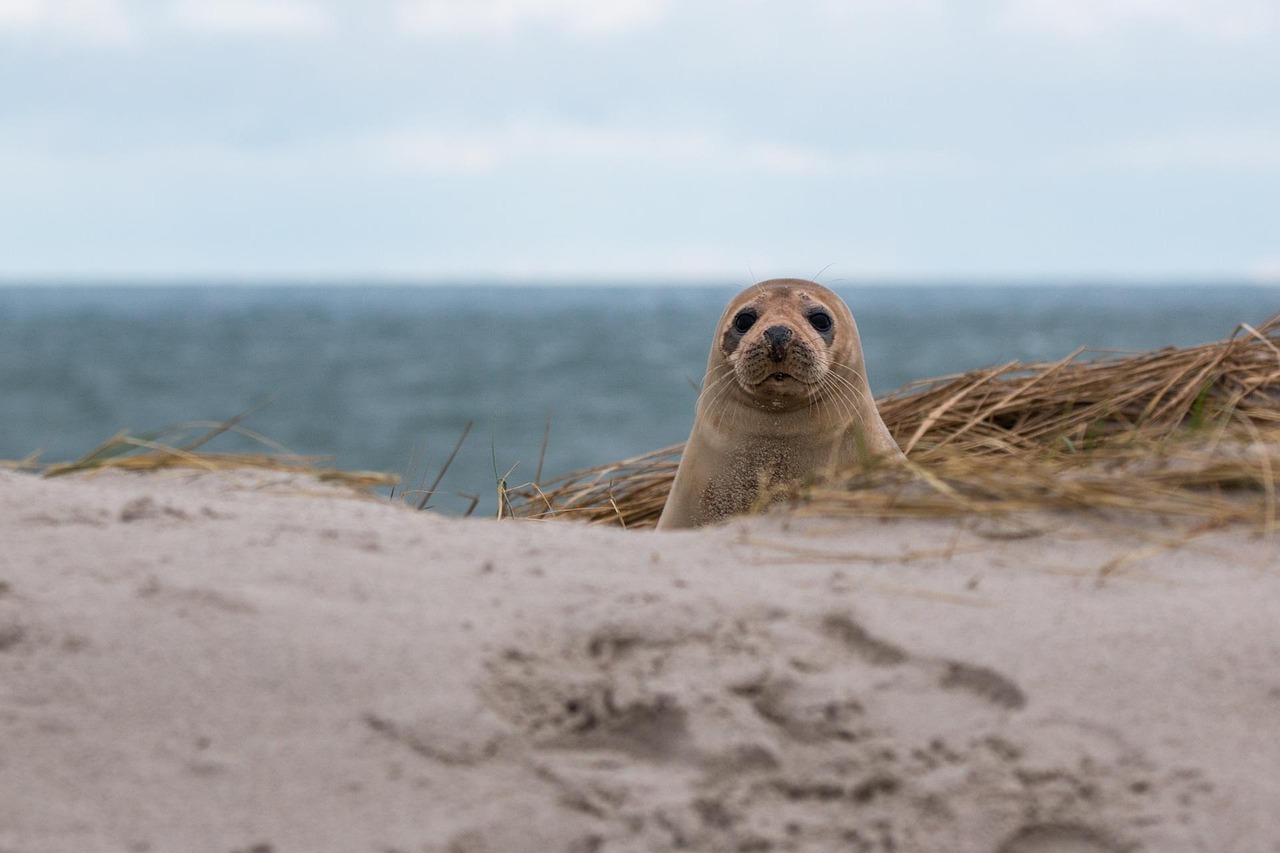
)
(252, 662)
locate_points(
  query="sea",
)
(388, 377)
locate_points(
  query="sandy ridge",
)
(260, 662)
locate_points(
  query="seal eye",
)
(821, 321)
(744, 321)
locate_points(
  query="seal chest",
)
(785, 399)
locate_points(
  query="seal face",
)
(779, 345)
(785, 399)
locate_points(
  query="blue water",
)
(377, 376)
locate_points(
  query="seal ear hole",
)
(744, 321)
(821, 321)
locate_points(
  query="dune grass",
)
(175, 447)
(1189, 431)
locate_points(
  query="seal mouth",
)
(777, 379)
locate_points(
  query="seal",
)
(784, 400)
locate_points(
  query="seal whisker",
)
(726, 384)
(853, 394)
(719, 387)
(715, 381)
(840, 398)
(861, 395)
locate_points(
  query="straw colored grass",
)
(162, 449)
(1192, 431)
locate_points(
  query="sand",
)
(259, 662)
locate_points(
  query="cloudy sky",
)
(640, 139)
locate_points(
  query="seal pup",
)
(785, 399)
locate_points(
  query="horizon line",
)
(639, 280)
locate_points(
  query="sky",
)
(640, 140)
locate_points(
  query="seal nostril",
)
(777, 335)
(777, 338)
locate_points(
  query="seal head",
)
(785, 399)
(780, 342)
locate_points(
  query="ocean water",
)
(387, 377)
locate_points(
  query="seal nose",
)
(777, 338)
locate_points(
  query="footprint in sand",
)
(1057, 838)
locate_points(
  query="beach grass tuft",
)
(174, 447)
(1191, 431)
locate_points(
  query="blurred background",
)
(397, 217)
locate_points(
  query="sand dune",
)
(256, 662)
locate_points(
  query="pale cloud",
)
(582, 18)
(772, 158)
(678, 258)
(20, 14)
(1255, 151)
(416, 152)
(529, 144)
(603, 260)
(864, 11)
(251, 17)
(514, 148)
(54, 166)
(483, 152)
(95, 22)
(1079, 20)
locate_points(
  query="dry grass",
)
(162, 449)
(1193, 432)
